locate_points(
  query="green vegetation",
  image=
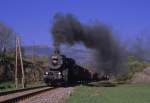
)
(134, 65)
(121, 94)
(7, 86)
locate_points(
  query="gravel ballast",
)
(58, 95)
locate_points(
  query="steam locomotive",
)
(64, 70)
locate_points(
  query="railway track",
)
(21, 94)
(19, 90)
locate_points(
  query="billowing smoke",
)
(67, 29)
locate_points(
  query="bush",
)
(134, 65)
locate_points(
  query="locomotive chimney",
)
(56, 49)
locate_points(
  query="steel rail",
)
(19, 90)
(16, 99)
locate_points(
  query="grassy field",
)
(121, 94)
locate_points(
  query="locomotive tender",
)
(63, 71)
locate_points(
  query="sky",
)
(32, 19)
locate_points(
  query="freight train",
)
(63, 71)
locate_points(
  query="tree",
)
(141, 48)
(7, 41)
(7, 37)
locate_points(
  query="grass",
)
(120, 94)
(8, 86)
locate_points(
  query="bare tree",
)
(141, 48)
(7, 41)
(7, 37)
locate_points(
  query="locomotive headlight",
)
(46, 73)
(59, 73)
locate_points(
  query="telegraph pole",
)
(33, 58)
(16, 69)
(19, 54)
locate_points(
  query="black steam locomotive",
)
(63, 71)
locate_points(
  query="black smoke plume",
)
(68, 29)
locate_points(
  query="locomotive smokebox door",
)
(55, 61)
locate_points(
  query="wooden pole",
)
(33, 52)
(16, 69)
(18, 51)
(22, 68)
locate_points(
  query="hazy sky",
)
(32, 19)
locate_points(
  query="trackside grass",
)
(8, 86)
(120, 94)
